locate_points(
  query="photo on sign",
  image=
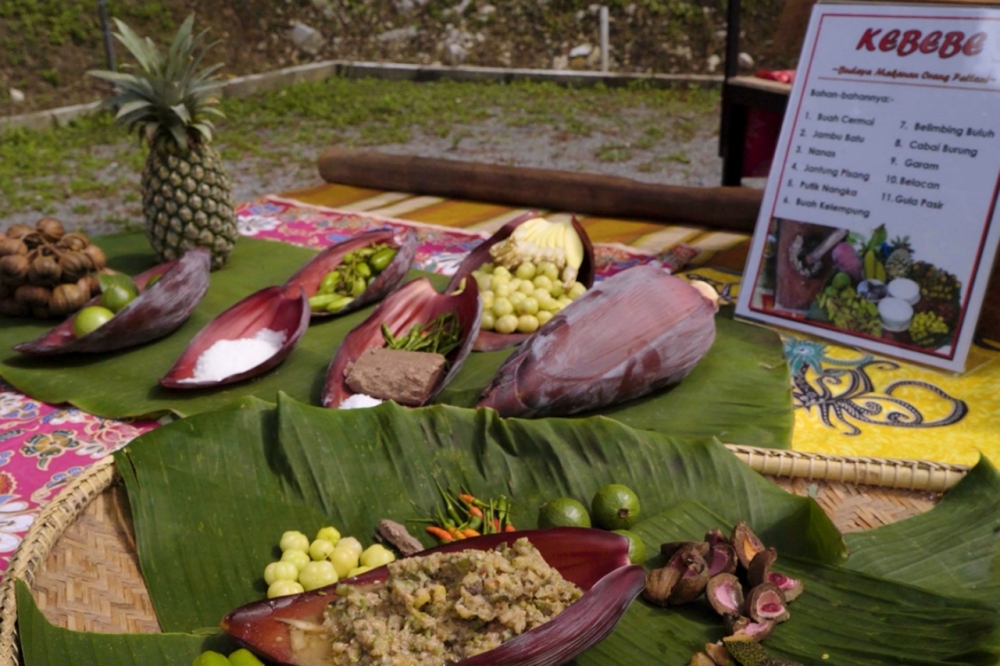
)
(874, 286)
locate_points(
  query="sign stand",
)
(879, 222)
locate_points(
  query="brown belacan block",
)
(392, 374)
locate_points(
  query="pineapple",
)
(187, 198)
(899, 262)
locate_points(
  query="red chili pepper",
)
(439, 533)
(496, 524)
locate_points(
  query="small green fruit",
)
(210, 658)
(244, 657)
(615, 507)
(563, 512)
(636, 549)
(90, 319)
(116, 297)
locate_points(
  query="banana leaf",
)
(44, 643)
(211, 495)
(301, 467)
(742, 383)
(886, 614)
(951, 550)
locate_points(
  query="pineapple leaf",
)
(204, 128)
(181, 111)
(179, 133)
(143, 50)
(131, 107)
(179, 49)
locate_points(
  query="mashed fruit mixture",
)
(438, 608)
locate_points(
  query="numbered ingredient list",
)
(893, 124)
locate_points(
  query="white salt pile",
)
(230, 357)
(360, 400)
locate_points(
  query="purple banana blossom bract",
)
(309, 276)
(271, 308)
(416, 302)
(595, 560)
(490, 340)
(153, 314)
(628, 336)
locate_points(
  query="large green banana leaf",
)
(211, 494)
(927, 550)
(43, 643)
(837, 608)
(740, 392)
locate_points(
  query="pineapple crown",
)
(168, 98)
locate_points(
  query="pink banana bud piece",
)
(155, 313)
(309, 276)
(629, 335)
(416, 302)
(490, 340)
(270, 309)
(597, 561)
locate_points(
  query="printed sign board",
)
(879, 223)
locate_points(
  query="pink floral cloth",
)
(44, 446)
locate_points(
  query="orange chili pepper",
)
(496, 524)
(509, 528)
(439, 533)
(475, 511)
(468, 499)
(469, 532)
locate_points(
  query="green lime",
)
(90, 319)
(841, 281)
(636, 549)
(615, 507)
(116, 297)
(244, 657)
(563, 512)
(210, 658)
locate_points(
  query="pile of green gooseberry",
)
(115, 295)
(525, 299)
(307, 565)
(356, 271)
(241, 657)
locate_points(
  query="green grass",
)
(40, 168)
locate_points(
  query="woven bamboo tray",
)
(79, 555)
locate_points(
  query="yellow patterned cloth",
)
(847, 402)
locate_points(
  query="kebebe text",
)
(945, 44)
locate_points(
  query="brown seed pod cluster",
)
(734, 573)
(46, 272)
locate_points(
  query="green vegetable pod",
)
(314, 278)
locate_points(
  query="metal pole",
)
(605, 40)
(109, 50)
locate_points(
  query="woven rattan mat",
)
(91, 579)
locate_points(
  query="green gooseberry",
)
(116, 297)
(90, 319)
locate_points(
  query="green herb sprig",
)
(441, 336)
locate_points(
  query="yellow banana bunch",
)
(538, 240)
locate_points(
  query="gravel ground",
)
(677, 158)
